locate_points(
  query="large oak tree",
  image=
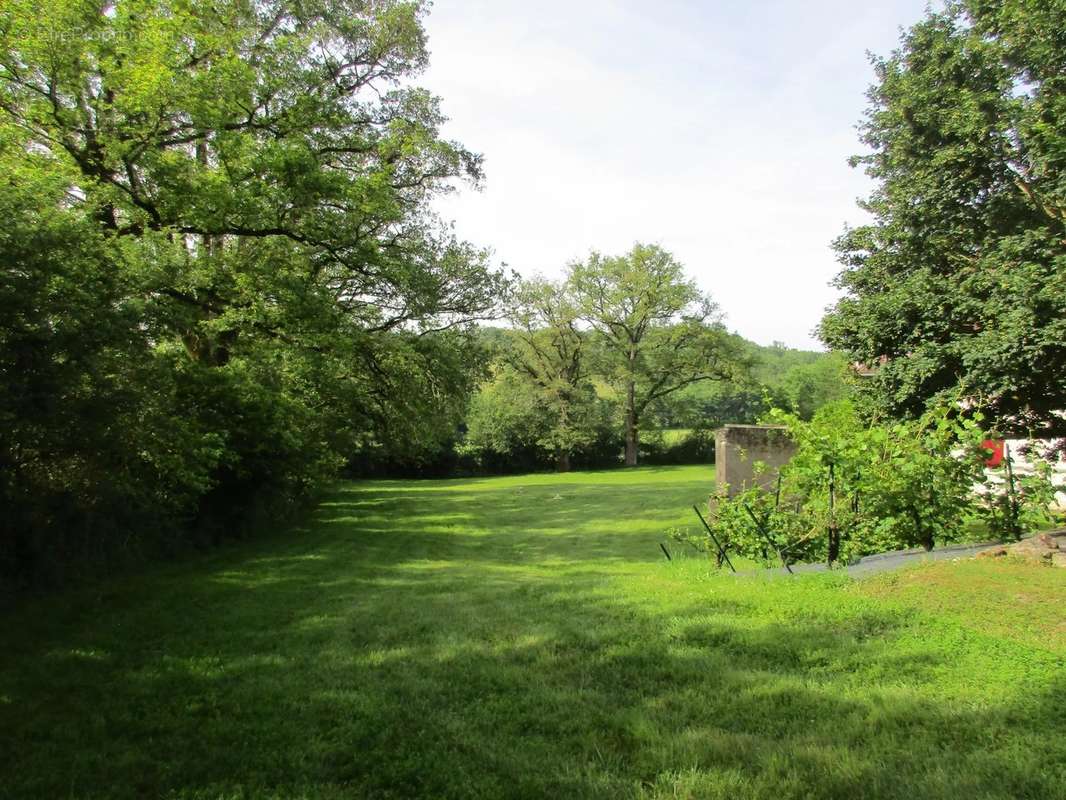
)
(659, 333)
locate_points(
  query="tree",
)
(808, 387)
(239, 139)
(244, 192)
(958, 285)
(781, 377)
(504, 424)
(511, 428)
(547, 349)
(658, 331)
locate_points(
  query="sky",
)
(719, 130)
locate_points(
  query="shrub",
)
(1010, 503)
(855, 488)
(692, 447)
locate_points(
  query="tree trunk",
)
(632, 435)
(562, 460)
(924, 536)
(834, 531)
(834, 544)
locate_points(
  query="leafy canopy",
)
(222, 274)
(659, 333)
(958, 282)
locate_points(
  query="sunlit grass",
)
(525, 637)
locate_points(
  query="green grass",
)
(525, 637)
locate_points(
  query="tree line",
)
(223, 280)
(594, 366)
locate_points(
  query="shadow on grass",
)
(585, 521)
(363, 660)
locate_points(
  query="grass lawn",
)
(525, 637)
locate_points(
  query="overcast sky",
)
(720, 130)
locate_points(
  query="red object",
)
(995, 452)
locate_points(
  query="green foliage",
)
(754, 524)
(808, 387)
(511, 428)
(854, 488)
(519, 396)
(1012, 503)
(903, 483)
(546, 349)
(562, 389)
(657, 332)
(923, 479)
(781, 377)
(692, 446)
(221, 272)
(957, 284)
(712, 405)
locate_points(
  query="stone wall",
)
(738, 447)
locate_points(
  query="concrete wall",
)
(738, 447)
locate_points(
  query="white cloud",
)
(720, 130)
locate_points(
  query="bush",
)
(1010, 504)
(853, 489)
(692, 447)
(511, 429)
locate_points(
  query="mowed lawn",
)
(525, 637)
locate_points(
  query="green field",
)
(525, 637)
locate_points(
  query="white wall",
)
(1022, 466)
